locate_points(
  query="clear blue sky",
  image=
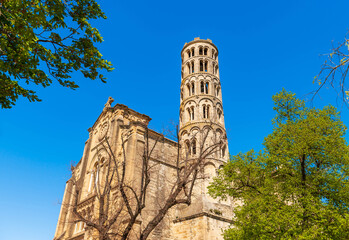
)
(264, 46)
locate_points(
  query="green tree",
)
(298, 186)
(46, 40)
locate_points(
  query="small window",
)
(205, 66)
(223, 151)
(192, 88)
(202, 86)
(213, 53)
(204, 111)
(189, 55)
(188, 147)
(201, 66)
(193, 52)
(192, 67)
(206, 88)
(193, 147)
(189, 92)
(200, 51)
(219, 112)
(192, 113)
(205, 51)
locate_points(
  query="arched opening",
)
(193, 144)
(189, 54)
(217, 91)
(213, 51)
(200, 51)
(192, 113)
(192, 88)
(189, 92)
(223, 151)
(187, 145)
(208, 111)
(205, 51)
(202, 86)
(192, 67)
(206, 87)
(204, 111)
(205, 66)
(201, 66)
(219, 113)
(193, 52)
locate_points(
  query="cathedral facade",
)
(123, 130)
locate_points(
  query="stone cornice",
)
(186, 45)
(199, 56)
(199, 73)
(203, 214)
(193, 97)
(198, 123)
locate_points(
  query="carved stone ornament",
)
(103, 131)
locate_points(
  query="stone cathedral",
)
(200, 107)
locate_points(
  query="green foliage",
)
(298, 187)
(46, 40)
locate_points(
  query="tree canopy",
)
(46, 40)
(298, 186)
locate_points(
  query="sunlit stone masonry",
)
(201, 126)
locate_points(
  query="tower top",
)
(198, 40)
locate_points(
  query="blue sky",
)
(264, 46)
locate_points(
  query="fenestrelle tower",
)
(201, 96)
(201, 108)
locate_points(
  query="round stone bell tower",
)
(201, 96)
